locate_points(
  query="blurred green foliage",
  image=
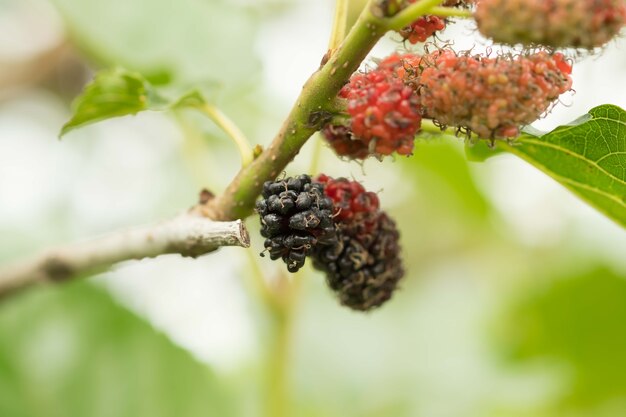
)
(169, 41)
(74, 352)
(576, 321)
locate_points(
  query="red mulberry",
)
(384, 116)
(492, 97)
(350, 199)
(557, 23)
(422, 29)
(426, 26)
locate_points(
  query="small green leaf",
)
(588, 156)
(113, 93)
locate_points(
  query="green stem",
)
(450, 12)
(278, 361)
(340, 21)
(305, 118)
(411, 13)
(257, 280)
(316, 156)
(286, 294)
(429, 127)
(231, 129)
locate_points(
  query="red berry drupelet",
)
(491, 97)
(343, 142)
(295, 217)
(363, 267)
(384, 116)
(426, 26)
(557, 23)
(422, 29)
(350, 199)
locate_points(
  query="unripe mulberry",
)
(363, 270)
(426, 26)
(296, 216)
(422, 29)
(350, 199)
(557, 23)
(491, 97)
(343, 142)
(363, 266)
(384, 116)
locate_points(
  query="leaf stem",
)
(231, 129)
(340, 21)
(411, 13)
(451, 12)
(429, 127)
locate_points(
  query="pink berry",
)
(558, 23)
(492, 97)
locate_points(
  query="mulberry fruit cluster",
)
(557, 23)
(384, 116)
(341, 227)
(363, 266)
(492, 97)
(295, 217)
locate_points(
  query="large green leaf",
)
(73, 352)
(588, 156)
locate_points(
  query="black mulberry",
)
(364, 266)
(296, 216)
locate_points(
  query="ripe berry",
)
(492, 97)
(363, 266)
(384, 116)
(363, 270)
(557, 23)
(295, 217)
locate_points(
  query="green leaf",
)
(74, 352)
(118, 92)
(113, 93)
(588, 156)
